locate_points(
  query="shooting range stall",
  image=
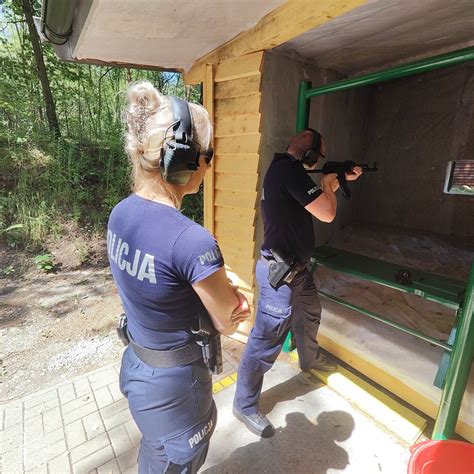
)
(454, 367)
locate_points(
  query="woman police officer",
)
(168, 271)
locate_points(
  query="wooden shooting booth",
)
(412, 117)
(455, 364)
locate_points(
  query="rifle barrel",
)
(364, 166)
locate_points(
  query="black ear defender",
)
(180, 154)
(312, 154)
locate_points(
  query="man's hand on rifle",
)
(354, 174)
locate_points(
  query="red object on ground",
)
(442, 457)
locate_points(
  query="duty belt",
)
(184, 355)
(207, 348)
(299, 267)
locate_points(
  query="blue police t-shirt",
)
(288, 226)
(156, 254)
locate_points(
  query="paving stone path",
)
(80, 426)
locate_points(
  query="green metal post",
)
(287, 346)
(459, 368)
(302, 119)
(410, 69)
(302, 113)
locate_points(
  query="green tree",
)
(48, 181)
(41, 68)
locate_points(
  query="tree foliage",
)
(46, 179)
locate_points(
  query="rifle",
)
(341, 168)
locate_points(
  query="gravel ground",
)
(56, 326)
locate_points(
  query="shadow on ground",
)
(301, 446)
(291, 389)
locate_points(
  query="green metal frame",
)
(459, 367)
(417, 67)
(454, 368)
(460, 347)
(388, 322)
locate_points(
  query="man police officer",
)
(289, 200)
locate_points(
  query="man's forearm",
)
(324, 206)
(330, 194)
(332, 199)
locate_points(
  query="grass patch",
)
(49, 183)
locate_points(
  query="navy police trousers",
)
(174, 410)
(296, 307)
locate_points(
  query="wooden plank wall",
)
(236, 110)
(208, 102)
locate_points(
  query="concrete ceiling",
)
(167, 33)
(386, 32)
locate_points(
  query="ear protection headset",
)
(180, 154)
(312, 154)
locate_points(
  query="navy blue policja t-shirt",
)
(155, 255)
(288, 226)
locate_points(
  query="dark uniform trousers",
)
(296, 307)
(174, 410)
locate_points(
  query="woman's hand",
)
(241, 312)
(226, 305)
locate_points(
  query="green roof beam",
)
(430, 64)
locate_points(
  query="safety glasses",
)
(208, 154)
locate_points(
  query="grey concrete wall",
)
(416, 125)
(341, 118)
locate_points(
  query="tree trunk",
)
(41, 68)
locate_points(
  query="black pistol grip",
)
(346, 192)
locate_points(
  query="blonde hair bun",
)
(143, 95)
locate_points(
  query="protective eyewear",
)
(208, 154)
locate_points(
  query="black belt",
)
(300, 266)
(267, 260)
(184, 355)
